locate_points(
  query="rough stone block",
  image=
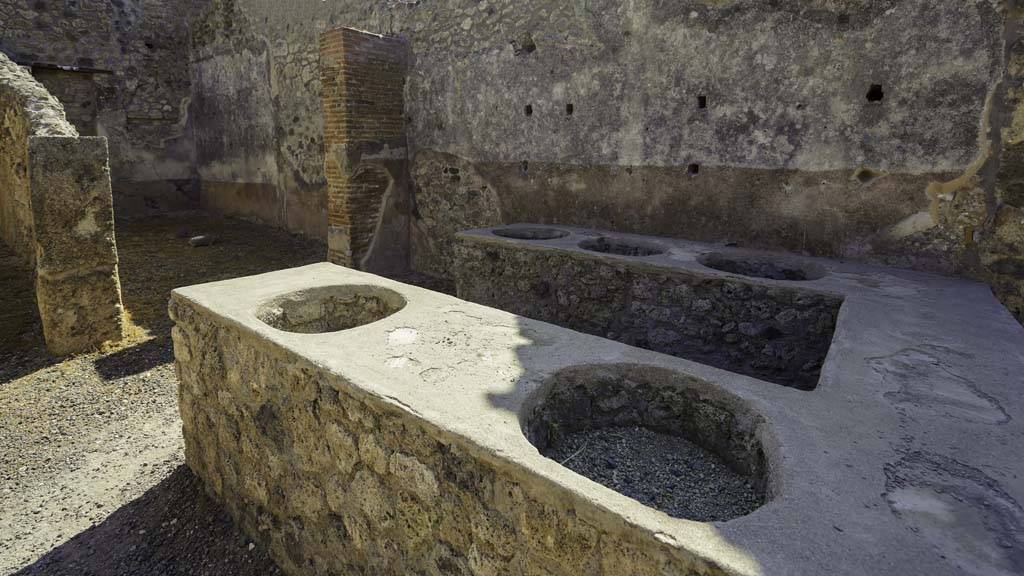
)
(77, 285)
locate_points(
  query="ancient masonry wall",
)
(333, 480)
(122, 70)
(56, 212)
(363, 78)
(682, 119)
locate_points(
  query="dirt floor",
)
(92, 475)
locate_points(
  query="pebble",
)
(202, 240)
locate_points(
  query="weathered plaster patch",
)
(913, 224)
(921, 384)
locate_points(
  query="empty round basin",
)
(531, 233)
(763, 267)
(330, 308)
(621, 246)
(663, 438)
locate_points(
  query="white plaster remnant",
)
(402, 336)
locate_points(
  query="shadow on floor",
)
(135, 360)
(173, 529)
(22, 350)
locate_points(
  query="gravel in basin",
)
(662, 471)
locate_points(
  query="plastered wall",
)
(848, 129)
(121, 68)
(879, 130)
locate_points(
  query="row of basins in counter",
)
(664, 438)
(761, 266)
(776, 328)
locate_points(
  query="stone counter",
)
(397, 443)
(604, 286)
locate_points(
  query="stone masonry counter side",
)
(401, 446)
(625, 288)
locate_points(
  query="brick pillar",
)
(363, 79)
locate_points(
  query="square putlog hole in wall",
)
(702, 102)
(875, 93)
(693, 169)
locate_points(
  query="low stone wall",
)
(772, 331)
(56, 213)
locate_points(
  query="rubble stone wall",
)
(997, 253)
(26, 109)
(884, 131)
(56, 212)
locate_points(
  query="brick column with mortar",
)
(363, 78)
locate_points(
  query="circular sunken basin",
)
(763, 267)
(665, 439)
(330, 308)
(621, 246)
(531, 233)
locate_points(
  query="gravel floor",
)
(92, 480)
(662, 471)
(173, 528)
